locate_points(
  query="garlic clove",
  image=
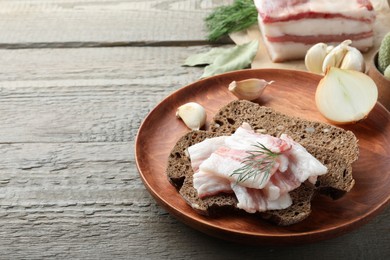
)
(315, 56)
(336, 56)
(329, 48)
(192, 114)
(353, 60)
(248, 89)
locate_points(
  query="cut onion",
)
(345, 96)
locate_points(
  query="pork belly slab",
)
(290, 27)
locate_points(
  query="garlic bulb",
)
(336, 56)
(248, 89)
(320, 57)
(192, 114)
(353, 60)
(315, 57)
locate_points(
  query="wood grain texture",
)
(84, 95)
(69, 187)
(75, 23)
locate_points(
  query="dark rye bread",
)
(267, 120)
(339, 179)
(310, 134)
(335, 184)
(333, 154)
(179, 164)
(180, 173)
(298, 211)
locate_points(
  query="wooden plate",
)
(291, 93)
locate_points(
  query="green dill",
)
(238, 16)
(260, 160)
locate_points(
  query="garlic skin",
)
(248, 89)
(315, 56)
(192, 114)
(353, 60)
(336, 56)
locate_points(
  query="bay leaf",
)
(236, 58)
(205, 58)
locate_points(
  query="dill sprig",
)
(238, 16)
(261, 160)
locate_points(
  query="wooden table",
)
(76, 80)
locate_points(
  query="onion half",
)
(345, 96)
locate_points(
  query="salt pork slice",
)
(290, 27)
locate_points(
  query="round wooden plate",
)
(292, 93)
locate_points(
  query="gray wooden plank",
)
(84, 95)
(75, 23)
(70, 66)
(85, 200)
(69, 187)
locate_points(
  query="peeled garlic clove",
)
(335, 56)
(315, 57)
(192, 114)
(345, 96)
(248, 89)
(353, 60)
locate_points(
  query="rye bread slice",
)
(180, 174)
(339, 179)
(335, 184)
(333, 154)
(179, 164)
(267, 120)
(298, 211)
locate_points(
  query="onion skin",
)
(345, 96)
